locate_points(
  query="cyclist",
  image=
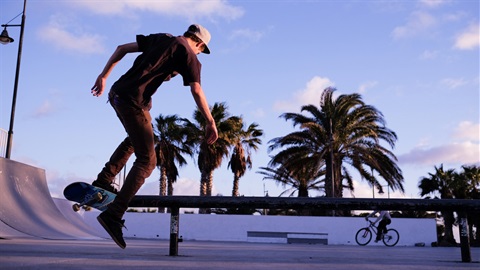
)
(384, 219)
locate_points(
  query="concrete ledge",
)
(287, 237)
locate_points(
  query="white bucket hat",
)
(202, 33)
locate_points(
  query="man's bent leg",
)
(138, 125)
(382, 228)
(117, 161)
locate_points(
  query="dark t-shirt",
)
(162, 57)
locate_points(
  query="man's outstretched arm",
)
(118, 54)
(211, 133)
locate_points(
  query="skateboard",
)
(86, 194)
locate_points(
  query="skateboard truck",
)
(96, 197)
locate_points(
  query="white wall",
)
(341, 230)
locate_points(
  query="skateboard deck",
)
(86, 194)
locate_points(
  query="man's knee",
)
(147, 164)
(152, 164)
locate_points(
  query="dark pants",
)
(140, 140)
(382, 227)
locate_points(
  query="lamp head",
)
(4, 38)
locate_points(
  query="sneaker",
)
(377, 240)
(105, 185)
(113, 226)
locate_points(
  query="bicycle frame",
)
(372, 226)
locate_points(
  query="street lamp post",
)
(332, 169)
(388, 190)
(5, 39)
(332, 163)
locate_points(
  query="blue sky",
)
(415, 61)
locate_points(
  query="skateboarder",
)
(162, 57)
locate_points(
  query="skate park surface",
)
(38, 232)
(153, 254)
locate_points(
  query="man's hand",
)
(211, 133)
(99, 86)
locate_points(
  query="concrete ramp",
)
(8, 232)
(78, 218)
(27, 209)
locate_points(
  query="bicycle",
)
(364, 235)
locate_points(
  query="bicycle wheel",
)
(363, 236)
(391, 238)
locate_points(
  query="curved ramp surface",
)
(8, 232)
(26, 206)
(77, 218)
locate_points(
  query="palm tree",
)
(170, 148)
(467, 186)
(299, 180)
(441, 186)
(467, 183)
(342, 130)
(210, 157)
(246, 141)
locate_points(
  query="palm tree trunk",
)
(236, 182)
(330, 185)
(448, 239)
(329, 189)
(203, 184)
(204, 189)
(303, 191)
(209, 183)
(162, 187)
(338, 181)
(170, 188)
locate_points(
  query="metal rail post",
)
(174, 227)
(464, 237)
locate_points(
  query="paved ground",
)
(153, 254)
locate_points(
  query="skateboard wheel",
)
(98, 196)
(76, 207)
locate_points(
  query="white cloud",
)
(469, 39)
(453, 153)
(58, 34)
(428, 54)
(241, 39)
(310, 95)
(432, 3)
(49, 106)
(364, 86)
(454, 16)
(418, 22)
(467, 130)
(188, 9)
(464, 148)
(187, 187)
(246, 34)
(46, 108)
(453, 83)
(258, 113)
